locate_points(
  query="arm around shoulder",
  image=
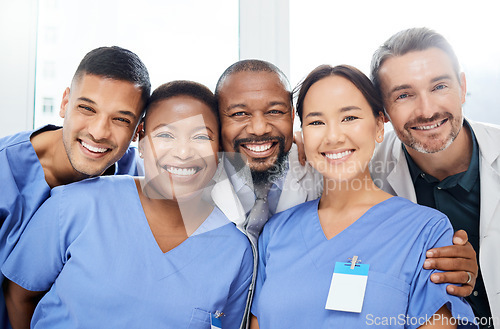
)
(20, 304)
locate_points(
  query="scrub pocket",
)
(200, 319)
(385, 305)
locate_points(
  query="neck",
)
(345, 194)
(343, 203)
(52, 155)
(188, 213)
(450, 161)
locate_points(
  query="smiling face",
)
(256, 118)
(423, 98)
(100, 119)
(179, 147)
(339, 129)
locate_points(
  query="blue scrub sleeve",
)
(39, 256)
(426, 297)
(235, 306)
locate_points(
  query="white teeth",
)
(259, 148)
(429, 127)
(93, 149)
(181, 171)
(336, 156)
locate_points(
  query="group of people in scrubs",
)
(164, 245)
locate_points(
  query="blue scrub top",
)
(91, 246)
(296, 264)
(24, 189)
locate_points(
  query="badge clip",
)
(348, 285)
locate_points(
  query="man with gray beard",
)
(437, 158)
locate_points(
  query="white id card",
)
(347, 290)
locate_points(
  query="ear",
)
(64, 103)
(139, 132)
(463, 87)
(386, 116)
(381, 120)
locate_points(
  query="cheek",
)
(227, 139)
(312, 140)
(123, 138)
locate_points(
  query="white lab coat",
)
(301, 184)
(390, 172)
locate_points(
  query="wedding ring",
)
(470, 278)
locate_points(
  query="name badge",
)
(215, 322)
(347, 289)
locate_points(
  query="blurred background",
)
(42, 42)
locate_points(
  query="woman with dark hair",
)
(352, 258)
(143, 252)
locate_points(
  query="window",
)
(348, 32)
(48, 105)
(187, 39)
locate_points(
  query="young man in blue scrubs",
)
(438, 158)
(101, 111)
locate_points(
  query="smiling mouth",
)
(185, 172)
(429, 127)
(339, 155)
(259, 148)
(94, 149)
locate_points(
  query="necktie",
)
(255, 220)
(259, 213)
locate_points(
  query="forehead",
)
(416, 66)
(332, 94)
(184, 110)
(335, 88)
(108, 93)
(248, 85)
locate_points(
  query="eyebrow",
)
(233, 106)
(123, 112)
(407, 86)
(343, 109)
(88, 100)
(441, 77)
(244, 106)
(194, 129)
(398, 88)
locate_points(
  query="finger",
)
(452, 264)
(462, 291)
(456, 277)
(459, 251)
(297, 139)
(460, 237)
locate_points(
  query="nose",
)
(334, 134)
(425, 106)
(259, 125)
(99, 128)
(183, 150)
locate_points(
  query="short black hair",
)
(253, 65)
(118, 64)
(183, 88)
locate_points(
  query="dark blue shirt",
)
(458, 197)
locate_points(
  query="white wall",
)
(17, 64)
(264, 32)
